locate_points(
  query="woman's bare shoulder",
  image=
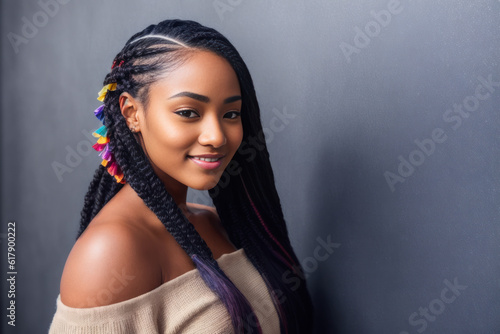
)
(112, 261)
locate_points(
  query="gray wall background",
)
(357, 106)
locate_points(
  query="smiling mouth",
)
(206, 159)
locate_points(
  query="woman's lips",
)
(207, 161)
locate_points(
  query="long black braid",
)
(248, 204)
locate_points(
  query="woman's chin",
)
(205, 185)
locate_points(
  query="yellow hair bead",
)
(103, 140)
(104, 90)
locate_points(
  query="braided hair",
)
(245, 197)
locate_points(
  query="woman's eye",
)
(233, 114)
(187, 113)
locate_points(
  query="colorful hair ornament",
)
(119, 65)
(99, 114)
(104, 90)
(102, 145)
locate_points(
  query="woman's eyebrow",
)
(204, 98)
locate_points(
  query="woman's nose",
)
(212, 132)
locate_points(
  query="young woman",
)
(180, 111)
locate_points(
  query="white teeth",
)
(206, 159)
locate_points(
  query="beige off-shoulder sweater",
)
(184, 304)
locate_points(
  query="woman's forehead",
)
(203, 73)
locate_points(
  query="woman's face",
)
(193, 114)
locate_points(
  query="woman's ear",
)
(129, 108)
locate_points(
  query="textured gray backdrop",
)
(382, 120)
